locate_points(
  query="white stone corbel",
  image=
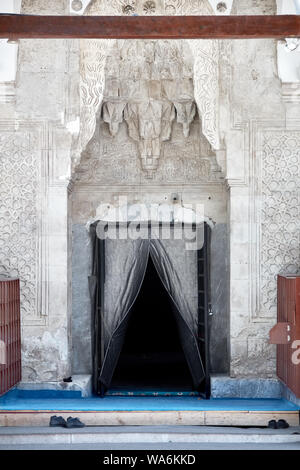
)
(112, 114)
(186, 112)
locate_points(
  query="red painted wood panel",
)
(288, 310)
(10, 334)
(150, 27)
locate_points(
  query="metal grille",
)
(10, 334)
(288, 302)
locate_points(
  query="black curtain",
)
(186, 318)
(95, 295)
(125, 266)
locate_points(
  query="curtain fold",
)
(174, 265)
(93, 281)
(125, 267)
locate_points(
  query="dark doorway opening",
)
(152, 355)
(146, 334)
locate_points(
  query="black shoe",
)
(67, 379)
(74, 423)
(272, 424)
(57, 421)
(282, 424)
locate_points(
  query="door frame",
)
(204, 298)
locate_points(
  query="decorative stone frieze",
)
(149, 85)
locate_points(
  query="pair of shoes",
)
(59, 421)
(281, 424)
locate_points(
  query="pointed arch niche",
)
(95, 53)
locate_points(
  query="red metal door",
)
(10, 334)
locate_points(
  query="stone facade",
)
(68, 143)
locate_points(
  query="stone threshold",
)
(151, 418)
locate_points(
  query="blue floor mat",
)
(52, 400)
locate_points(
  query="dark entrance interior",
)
(152, 356)
(139, 342)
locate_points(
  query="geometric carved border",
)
(24, 163)
(275, 212)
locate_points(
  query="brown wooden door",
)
(286, 334)
(10, 334)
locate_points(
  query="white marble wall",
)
(37, 150)
(262, 149)
(253, 129)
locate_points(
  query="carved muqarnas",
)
(149, 85)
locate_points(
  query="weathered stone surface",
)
(81, 308)
(80, 383)
(116, 160)
(288, 394)
(225, 387)
(253, 7)
(245, 122)
(45, 353)
(148, 85)
(45, 7)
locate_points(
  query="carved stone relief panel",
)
(206, 86)
(44, 7)
(92, 65)
(254, 7)
(149, 84)
(204, 71)
(20, 220)
(116, 160)
(280, 214)
(150, 7)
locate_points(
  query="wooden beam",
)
(150, 27)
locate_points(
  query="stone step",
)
(146, 434)
(152, 418)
